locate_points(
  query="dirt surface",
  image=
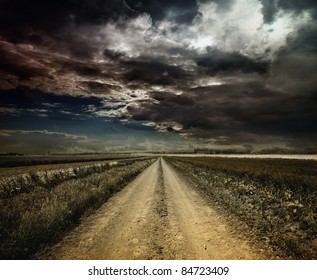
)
(157, 216)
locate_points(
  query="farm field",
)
(160, 208)
(258, 156)
(38, 206)
(275, 197)
(7, 161)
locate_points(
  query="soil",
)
(160, 215)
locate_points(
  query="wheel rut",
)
(157, 216)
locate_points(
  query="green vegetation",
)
(275, 197)
(46, 205)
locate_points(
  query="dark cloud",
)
(173, 99)
(297, 5)
(180, 11)
(25, 65)
(215, 61)
(304, 41)
(269, 9)
(99, 88)
(295, 72)
(147, 61)
(14, 63)
(272, 7)
(231, 110)
(153, 72)
(73, 41)
(26, 20)
(81, 69)
(114, 55)
(222, 5)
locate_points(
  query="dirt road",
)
(157, 216)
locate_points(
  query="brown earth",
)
(158, 216)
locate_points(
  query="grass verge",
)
(276, 198)
(30, 220)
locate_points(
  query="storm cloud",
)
(238, 73)
(215, 61)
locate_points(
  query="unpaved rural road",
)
(157, 216)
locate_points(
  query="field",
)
(275, 197)
(175, 207)
(32, 160)
(38, 206)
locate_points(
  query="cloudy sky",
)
(104, 75)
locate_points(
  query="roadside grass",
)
(49, 177)
(31, 219)
(276, 197)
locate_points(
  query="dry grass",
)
(276, 198)
(31, 219)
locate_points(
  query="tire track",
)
(157, 216)
(205, 233)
